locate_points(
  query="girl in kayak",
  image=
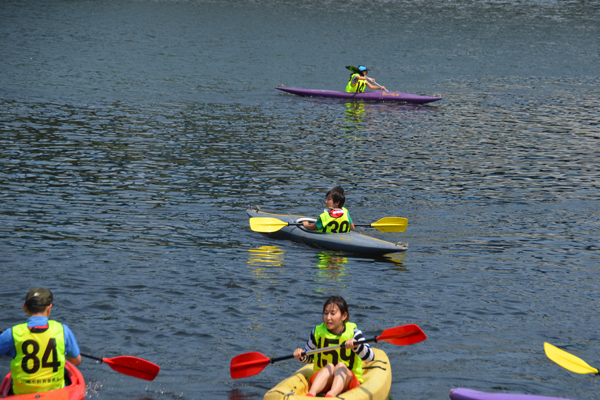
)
(335, 218)
(358, 81)
(338, 370)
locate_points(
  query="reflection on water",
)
(237, 394)
(267, 256)
(399, 259)
(330, 267)
(330, 261)
(265, 261)
(355, 113)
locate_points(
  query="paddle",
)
(249, 364)
(567, 360)
(131, 366)
(268, 225)
(356, 71)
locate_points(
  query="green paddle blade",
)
(353, 69)
(567, 360)
(391, 224)
(266, 225)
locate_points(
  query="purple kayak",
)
(378, 95)
(470, 394)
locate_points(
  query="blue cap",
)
(362, 68)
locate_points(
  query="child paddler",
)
(38, 347)
(335, 218)
(358, 80)
(338, 370)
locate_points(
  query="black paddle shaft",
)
(321, 350)
(92, 357)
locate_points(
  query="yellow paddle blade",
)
(567, 360)
(266, 225)
(391, 224)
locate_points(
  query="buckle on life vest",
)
(336, 212)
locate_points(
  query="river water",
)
(135, 134)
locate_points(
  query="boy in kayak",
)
(358, 81)
(39, 347)
(338, 370)
(335, 218)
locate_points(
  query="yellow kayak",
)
(377, 376)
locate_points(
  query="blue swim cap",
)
(362, 68)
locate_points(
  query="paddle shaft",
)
(300, 224)
(92, 357)
(321, 350)
(249, 364)
(269, 224)
(380, 86)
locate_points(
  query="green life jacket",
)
(339, 222)
(360, 85)
(39, 365)
(324, 338)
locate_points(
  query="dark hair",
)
(38, 299)
(36, 309)
(337, 195)
(340, 303)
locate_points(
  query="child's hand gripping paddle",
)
(249, 364)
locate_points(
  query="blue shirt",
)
(7, 343)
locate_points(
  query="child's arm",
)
(308, 225)
(310, 345)
(313, 227)
(373, 86)
(363, 350)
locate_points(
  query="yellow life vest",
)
(335, 220)
(324, 338)
(39, 365)
(360, 85)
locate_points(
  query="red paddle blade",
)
(403, 335)
(133, 366)
(248, 364)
